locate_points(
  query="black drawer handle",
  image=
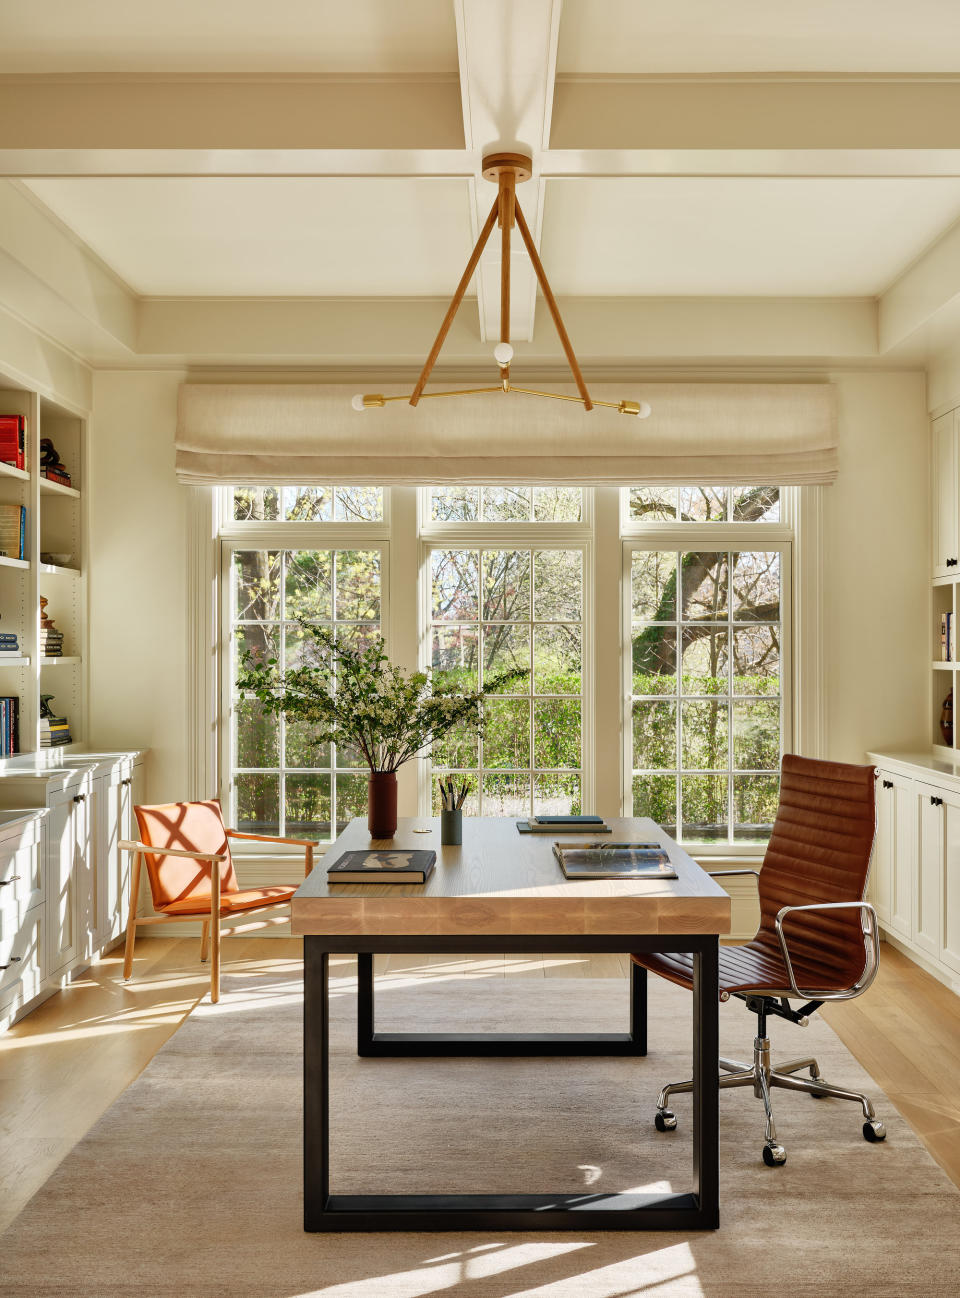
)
(951, 563)
(79, 797)
(5, 883)
(14, 959)
(125, 784)
(888, 784)
(936, 802)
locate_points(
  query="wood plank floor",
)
(62, 1066)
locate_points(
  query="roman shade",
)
(717, 433)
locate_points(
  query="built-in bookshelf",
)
(53, 566)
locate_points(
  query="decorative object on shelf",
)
(51, 466)
(51, 640)
(946, 719)
(505, 170)
(54, 730)
(58, 558)
(13, 438)
(13, 526)
(358, 699)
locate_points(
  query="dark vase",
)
(382, 804)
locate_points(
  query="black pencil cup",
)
(451, 828)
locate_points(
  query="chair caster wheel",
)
(774, 1155)
(874, 1130)
(665, 1120)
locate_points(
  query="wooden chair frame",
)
(210, 934)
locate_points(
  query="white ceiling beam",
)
(377, 333)
(508, 54)
(50, 278)
(771, 113)
(928, 289)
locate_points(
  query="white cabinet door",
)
(930, 859)
(895, 853)
(950, 884)
(68, 875)
(113, 866)
(946, 550)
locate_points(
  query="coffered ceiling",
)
(300, 182)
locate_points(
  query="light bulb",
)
(357, 401)
(503, 354)
(644, 410)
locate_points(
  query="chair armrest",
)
(127, 846)
(871, 945)
(308, 845)
(271, 838)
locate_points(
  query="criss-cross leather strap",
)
(819, 851)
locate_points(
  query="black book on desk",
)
(384, 865)
(614, 861)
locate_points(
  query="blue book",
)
(569, 820)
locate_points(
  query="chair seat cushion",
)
(753, 967)
(230, 902)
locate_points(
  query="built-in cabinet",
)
(915, 880)
(69, 822)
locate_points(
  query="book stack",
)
(51, 466)
(51, 642)
(13, 526)
(9, 726)
(54, 731)
(13, 430)
(9, 644)
(563, 825)
(948, 638)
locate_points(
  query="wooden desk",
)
(503, 891)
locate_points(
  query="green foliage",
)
(355, 697)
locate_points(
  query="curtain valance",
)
(716, 433)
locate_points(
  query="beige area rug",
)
(190, 1183)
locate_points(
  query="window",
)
(492, 609)
(707, 653)
(484, 578)
(278, 781)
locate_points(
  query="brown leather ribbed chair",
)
(817, 940)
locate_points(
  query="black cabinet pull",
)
(5, 883)
(125, 784)
(952, 563)
(888, 784)
(79, 797)
(936, 802)
(14, 959)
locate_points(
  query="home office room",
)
(479, 538)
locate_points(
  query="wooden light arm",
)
(307, 844)
(127, 846)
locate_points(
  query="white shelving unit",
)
(55, 523)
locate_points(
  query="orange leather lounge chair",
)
(817, 941)
(186, 847)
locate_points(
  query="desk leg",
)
(706, 1088)
(372, 1044)
(316, 1083)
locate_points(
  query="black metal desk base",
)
(694, 1210)
(372, 1044)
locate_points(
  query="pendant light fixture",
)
(505, 170)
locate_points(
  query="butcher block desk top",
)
(504, 882)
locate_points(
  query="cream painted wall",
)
(875, 575)
(138, 576)
(876, 568)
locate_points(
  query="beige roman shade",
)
(713, 433)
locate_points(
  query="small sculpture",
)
(51, 466)
(946, 720)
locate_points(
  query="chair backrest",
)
(193, 826)
(820, 851)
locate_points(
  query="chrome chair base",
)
(764, 1078)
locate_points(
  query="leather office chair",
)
(187, 850)
(817, 941)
